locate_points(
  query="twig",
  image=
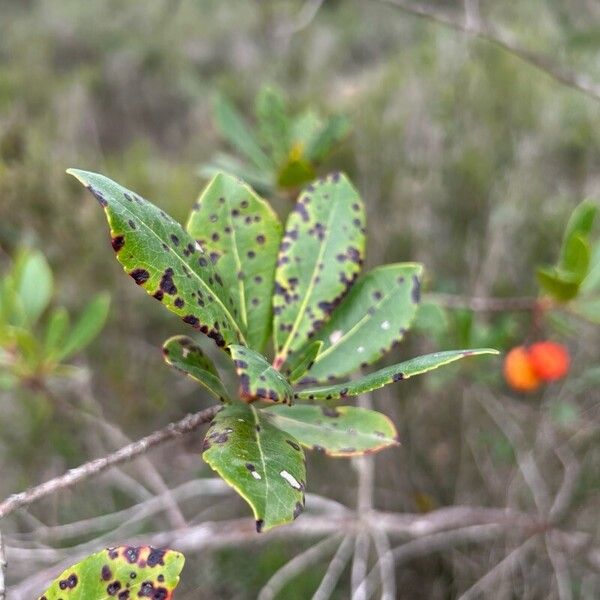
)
(387, 569)
(297, 565)
(334, 571)
(186, 425)
(491, 304)
(2, 569)
(498, 38)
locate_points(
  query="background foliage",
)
(469, 161)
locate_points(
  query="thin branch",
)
(2, 569)
(387, 568)
(501, 39)
(334, 571)
(174, 430)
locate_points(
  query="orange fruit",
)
(518, 371)
(549, 360)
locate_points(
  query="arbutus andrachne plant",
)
(234, 274)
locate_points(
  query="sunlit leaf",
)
(337, 431)
(321, 255)
(241, 235)
(182, 353)
(374, 316)
(165, 260)
(264, 464)
(258, 379)
(124, 572)
(398, 372)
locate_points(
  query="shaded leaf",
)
(122, 572)
(580, 223)
(561, 286)
(33, 283)
(295, 172)
(304, 361)
(258, 379)
(56, 330)
(182, 353)
(374, 316)
(237, 132)
(88, 326)
(264, 464)
(273, 122)
(576, 258)
(241, 234)
(334, 130)
(262, 181)
(161, 257)
(339, 431)
(321, 254)
(398, 372)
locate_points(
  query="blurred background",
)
(470, 160)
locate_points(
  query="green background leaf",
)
(264, 464)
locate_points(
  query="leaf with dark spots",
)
(243, 232)
(398, 372)
(158, 264)
(182, 353)
(310, 281)
(257, 460)
(373, 317)
(303, 361)
(142, 571)
(340, 431)
(258, 379)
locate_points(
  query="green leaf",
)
(304, 361)
(88, 326)
(33, 284)
(161, 257)
(341, 431)
(264, 464)
(576, 258)
(121, 572)
(258, 379)
(241, 234)
(320, 257)
(182, 353)
(398, 372)
(588, 308)
(295, 172)
(233, 127)
(262, 181)
(558, 285)
(334, 130)
(56, 330)
(273, 122)
(374, 316)
(592, 281)
(580, 223)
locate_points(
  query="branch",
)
(498, 38)
(2, 569)
(87, 470)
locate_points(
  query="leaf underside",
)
(165, 260)
(182, 353)
(372, 318)
(264, 464)
(398, 372)
(320, 257)
(336, 431)
(258, 379)
(241, 234)
(122, 572)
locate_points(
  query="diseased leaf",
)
(264, 464)
(161, 257)
(320, 257)
(374, 316)
(241, 234)
(182, 353)
(258, 379)
(337, 431)
(122, 572)
(398, 372)
(304, 361)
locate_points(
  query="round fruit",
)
(549, 360)
(518, 371)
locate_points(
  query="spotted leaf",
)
(182, 353)
(241, 234)
(166, 261)
(264, 464)
(258, 379)
(320, 257)
(337, 431)
(122, 572)
(373, 317)
(398, 372)
(304, 361)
